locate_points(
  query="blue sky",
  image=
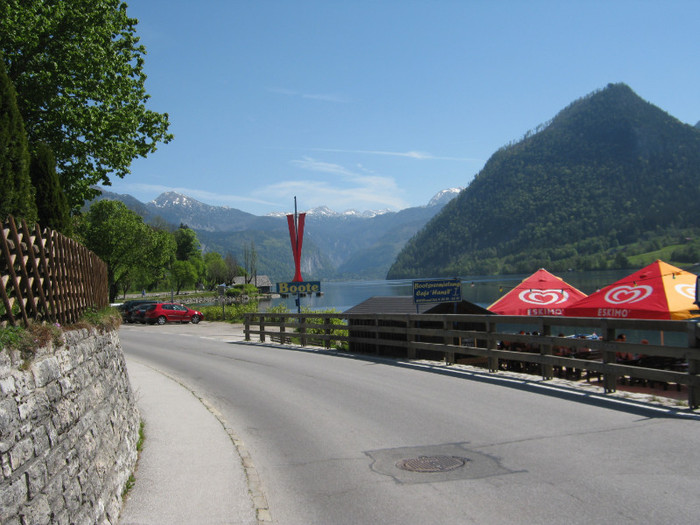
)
(381, 104)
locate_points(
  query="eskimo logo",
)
(543, 297)
(627, 294)
(686, 290)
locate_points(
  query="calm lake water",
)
(479, 289)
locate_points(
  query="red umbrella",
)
(657, 291)
(540, 294)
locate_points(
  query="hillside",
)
(610, 175)
(348, 245)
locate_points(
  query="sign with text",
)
(437, 291)
(299, 287)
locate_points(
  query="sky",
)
(374, 105)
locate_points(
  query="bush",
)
(37, 335)
(232, 313)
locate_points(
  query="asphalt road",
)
(326, 434)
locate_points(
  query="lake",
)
(479, 289)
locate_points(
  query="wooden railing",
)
(502, 341)
(45, 276)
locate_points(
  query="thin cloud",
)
(200, 195)
(323, 97)
(346, 189)
(418, 155)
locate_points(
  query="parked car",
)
(128, 308)
(138, 312)
(162, 313)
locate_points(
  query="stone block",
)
(45, 371)
(36, 478)
(37, 511)
(9, 414)
(12, 495)
(21, 453)
(7, 385)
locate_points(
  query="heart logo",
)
(627, 294)
(543, 297)
(686, 290)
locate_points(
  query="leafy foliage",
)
(609, 174)
(51, 201)
(78, 70)
(232, 313)
(16, 190)
(122, 240)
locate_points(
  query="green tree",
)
(216, 269)
(16, 190)
(78, 70)
(119, 237)
(183, 273)
(187, 244)
(51, 202)
(233, 269)
(188, 249)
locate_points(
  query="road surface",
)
(340, 440)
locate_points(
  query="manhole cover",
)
(431, 463)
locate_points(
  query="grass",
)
(139, 446)
(28, 339)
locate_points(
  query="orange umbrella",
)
(540, 294)
(657, 291)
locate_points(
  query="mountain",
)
(609, 177)
(344, 245)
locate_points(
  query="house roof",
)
(403, 304)
(257, 281)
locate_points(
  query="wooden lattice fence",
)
(46, 276)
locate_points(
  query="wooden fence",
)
(45, 276)
(499, 342)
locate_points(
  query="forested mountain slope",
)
(609, 172)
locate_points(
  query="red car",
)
(162, 313)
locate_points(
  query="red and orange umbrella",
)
(540, 294)
(657, 291)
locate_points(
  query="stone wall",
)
(68, 432)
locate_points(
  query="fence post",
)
(693, 364)
(609, 379)
(492, 359)
(327, 320)
(410, 337)
(246, 326)
(283, 329)
(447, 340)
(547, 369)
(302, 330)
(262, 327)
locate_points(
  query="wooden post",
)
(302, 330)
(609, 380)
(261, 317)
(694, 364)
(283, 329)
(246, 327)
(410, 338)
(547, 369)
(447, 340)
(493, 360)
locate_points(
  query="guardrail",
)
(47, 276)
(501, 342)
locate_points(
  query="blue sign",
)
(437, 291)
(299, 287)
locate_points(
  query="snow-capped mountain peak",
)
(443, 197)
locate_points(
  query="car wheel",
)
(161, 319)
(195, 319)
